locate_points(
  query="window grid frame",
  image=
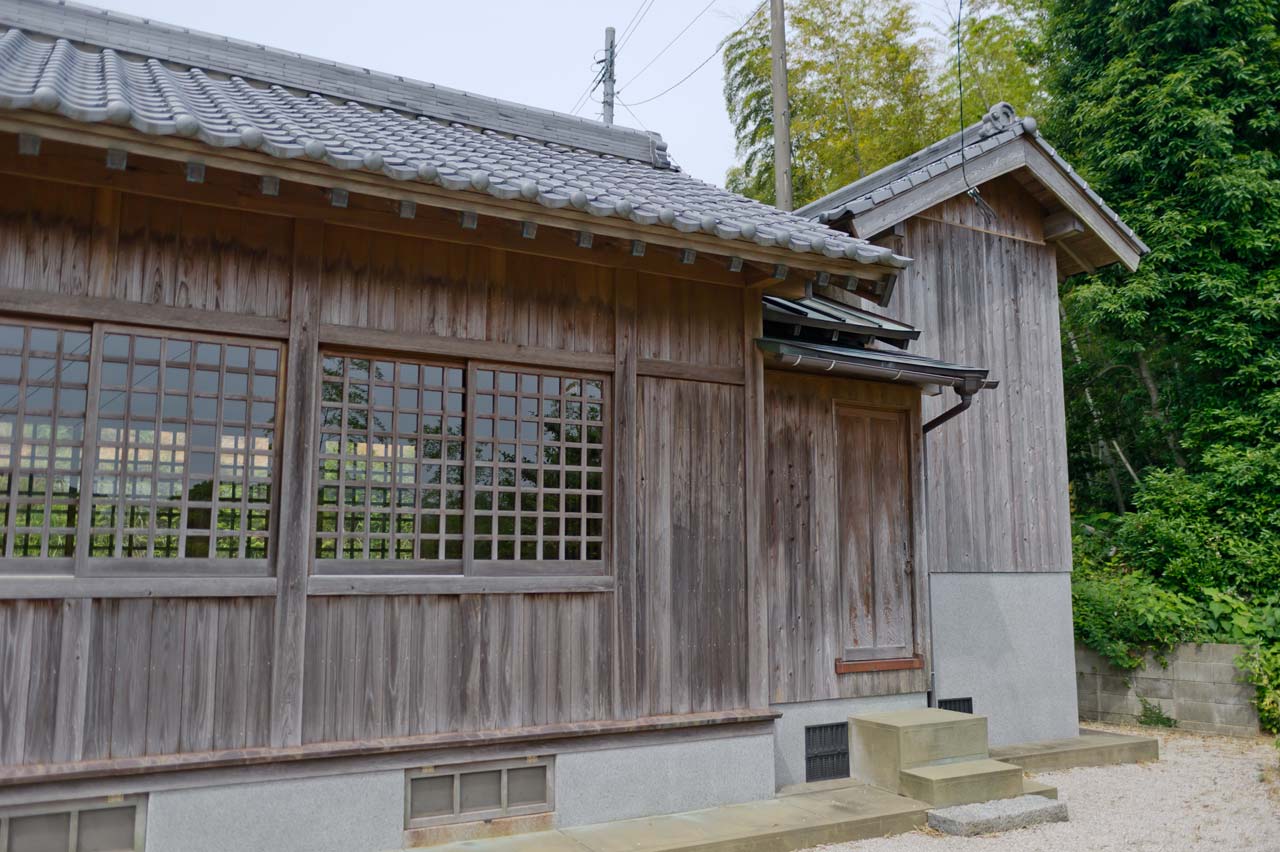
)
(18, 440)
(182, 565)
(494, 566)
(339, 565)
(81, 564)
(456, 771)
(468, 565)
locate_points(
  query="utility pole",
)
(781, 107)
(609, 80)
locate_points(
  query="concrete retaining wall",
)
(1201, 688)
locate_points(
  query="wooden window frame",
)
(469, 574)
(82, 569)
(457, 771)
(75, 809)
(11, 564)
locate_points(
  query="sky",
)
(540, 53)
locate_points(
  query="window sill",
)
(890, 665)
(399, 584)
(34, 586)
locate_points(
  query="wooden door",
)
(874, 523)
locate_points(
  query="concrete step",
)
(1031, 787)
(1090, 748)
(881, 745)
(812, 817)
(962, 783)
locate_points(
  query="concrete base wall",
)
(1201, 688)
(348, 813)
(788, 730)
(1006, 640)
(612, 784)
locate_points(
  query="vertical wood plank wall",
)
(986, 294)
(810, 517)
(107, 678)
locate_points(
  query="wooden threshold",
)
(897, 664)
(11, 776)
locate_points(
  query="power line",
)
(586, 93)
(633, 115)
(658, 55)
(630, 29)
(713, 55)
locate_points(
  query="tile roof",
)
(1000, 126)
(160, 80)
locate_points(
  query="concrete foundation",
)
(1005, 639)
(348, 813)
(788, 730)
(615, 784)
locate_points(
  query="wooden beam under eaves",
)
(278, 194)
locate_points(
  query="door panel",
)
(875, 526)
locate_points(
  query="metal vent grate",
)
(959, 705)
(826, 752)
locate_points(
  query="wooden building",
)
(383, 464)
(984, 286)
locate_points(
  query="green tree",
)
(867, 86)
(1169, 108)
(860, 86)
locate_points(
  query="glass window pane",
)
(481, 791)
(106, 830)
(199, 455)
(42, 437)
(376, 416)
(430, 797)
(556, 476)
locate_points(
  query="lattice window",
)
(538, 465)
(44, 379)
(458, 465)
(392, 473)
(186, 437)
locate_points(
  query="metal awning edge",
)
(882, 366)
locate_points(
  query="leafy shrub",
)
(1218, 527)
(1153, 716)
(1262, 663)
(1122, 616)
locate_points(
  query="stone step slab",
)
(996, 816)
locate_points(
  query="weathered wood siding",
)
(997, 474)
(99, 677)
(402, 284)
(691, 582)
(695, 325)
(382, 666)
(73, 241)
(94, 679)
(838, 532)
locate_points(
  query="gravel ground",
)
(1205, 793)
